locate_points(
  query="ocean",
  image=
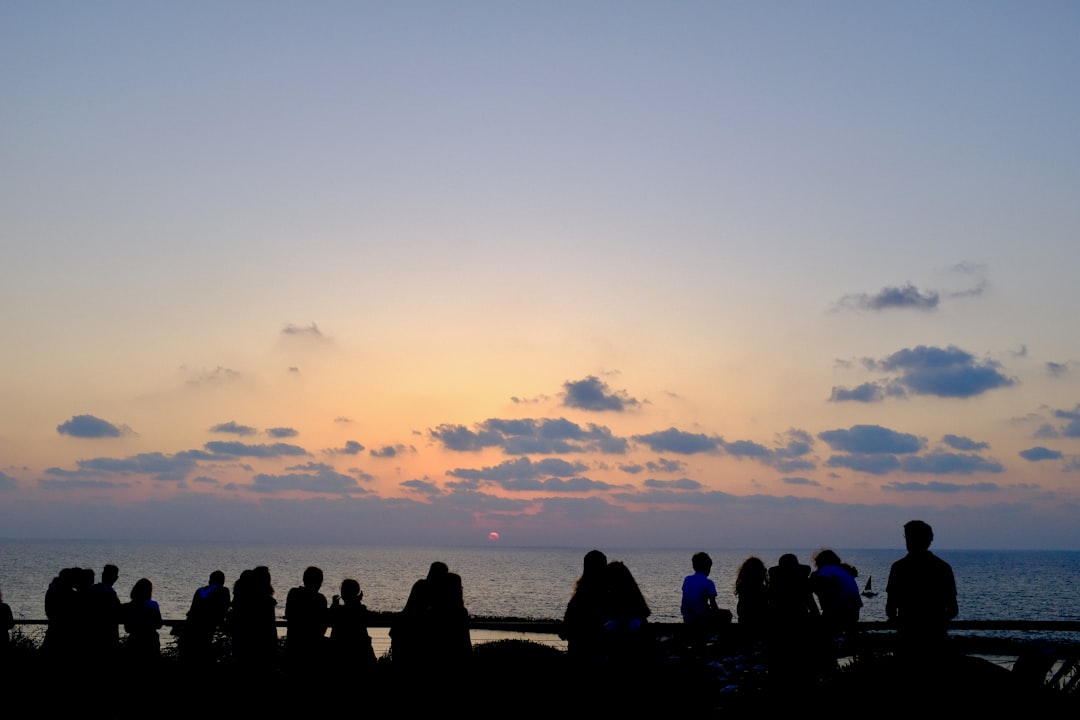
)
(518, 582)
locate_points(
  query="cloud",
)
(528, 436)
(592, 393)
(239, 449)
(946, 463)
(423, 487)
(233, 428)
(1055, 369)
(959, 442)
(88, 426)
(351, 448)
(79, 483)
(311, 477)
(1037, 453)
(906, 296)
(800, 481)
(682, 443)
(948, 372)
(1071, 429)
(633, 469)
(303, 331)
(522, 474)
(171, 468)
(7, 482)
(871, 439)
(868, 392)
(282, 432)
(218, 376)
(389, 451)
(874, 464)
(680, 484)
(940, 487)
(664, 465)
(342, 420)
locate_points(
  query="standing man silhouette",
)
(922, 594)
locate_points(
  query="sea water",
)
(518, 582)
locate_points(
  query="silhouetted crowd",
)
(796, 616)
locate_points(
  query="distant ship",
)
(868, 591)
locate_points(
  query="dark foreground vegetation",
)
(517, 678)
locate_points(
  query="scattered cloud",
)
(946, 463)
(905, 296)
(218, 376)
(351, 448)
(529, 401)
(389, 451)
(523, 474)
(282, 432)
(303, 331)
(592, 393)
(233, 428)
(940, 487)
(528, 436)
(959, 442)
(1070, 429)
(342, 420)
(79, 483)
(423, 487)
(1055, 369)
(680, 484)
(667, 466)
(868, 392)
(88, 426)
(1037, 453)
(943, 372)
(632, 469)
(873, 464)
(680, 442)
(7, 482)
(871, 439)
(800, 481)
(239, 449)
(311, 477)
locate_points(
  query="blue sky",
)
(579, 273)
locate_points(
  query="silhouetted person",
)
(142, 619)
(448, 642)
(838, 594)
(251, 620)
(792, 618)
(628, 637)
(209, 607)
(104, 621)
(752, 589)
(922, 594)
(61, 637)
(7, 622)
(698, 606)
(583, 623)
(305, 612)
(410, 628)
(350, 642)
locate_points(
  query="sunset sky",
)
(680, 274)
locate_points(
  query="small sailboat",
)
(868, 591)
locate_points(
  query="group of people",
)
(790, 610)
(84, 617)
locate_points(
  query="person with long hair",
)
(583, 623)
(752, 591)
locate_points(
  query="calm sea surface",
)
(519, 582)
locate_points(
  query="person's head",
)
(437, 570)
(825, 557)
(142, 591)
(751, 573)
(918, 536)
(109, 575)
(702, 563)
(313, 578)
(350, 588)
(217, 578)
(788, 560)
(595, 562)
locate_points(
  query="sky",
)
(635, 274)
